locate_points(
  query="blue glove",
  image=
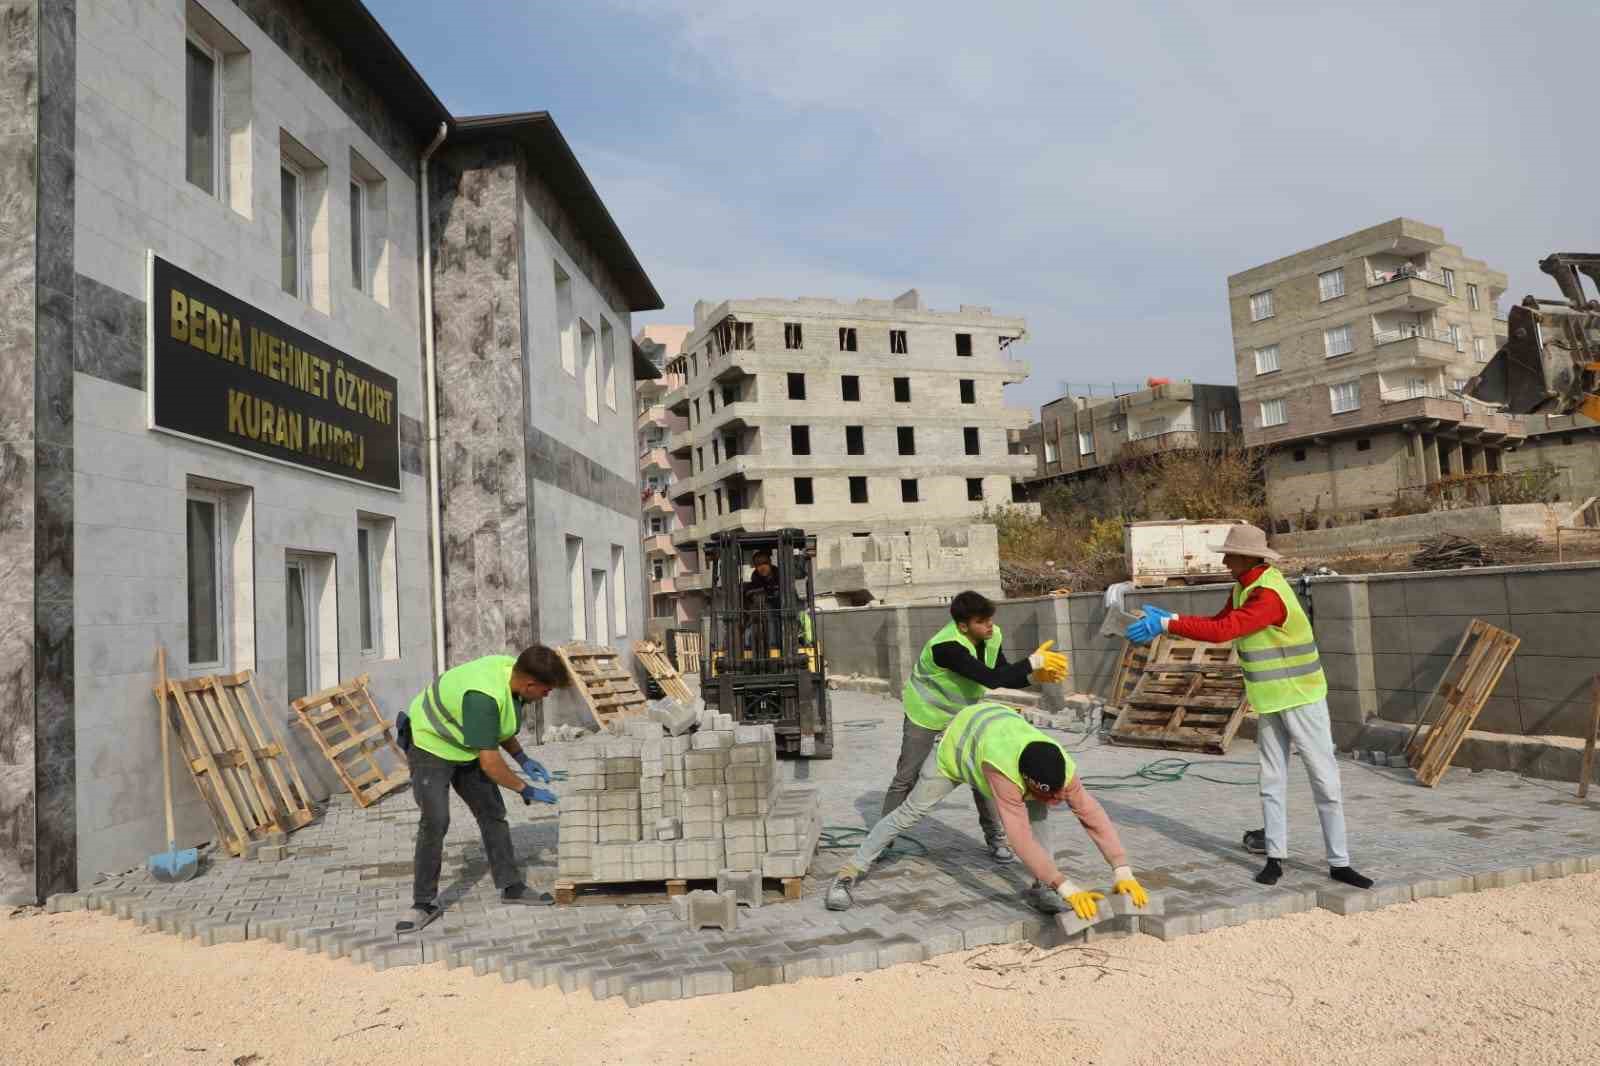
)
(1148, 627)
(532, 768)
(537, 795)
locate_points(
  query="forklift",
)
(760, 659)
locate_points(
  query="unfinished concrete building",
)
(1351, 357)
(877, 421)
(659, 472)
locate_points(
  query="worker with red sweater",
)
(1284, 682)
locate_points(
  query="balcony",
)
(659, 544)
(677, 400)
(693, 581)
(731, 366)
(681, 443)
(1172, 440)
(1410, 345)
(1416, 289)
(655, 459)
(663, 586)
(656, 502)
(685, 535)
(654, 415)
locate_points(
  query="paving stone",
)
(62, 902)
(1502, 878)
(718, 910)
(810, 964)
(745, 886)
(651, 987)
(1345, 899)
(1441, 886)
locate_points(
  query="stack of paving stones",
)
(647, 806)
(347, 877)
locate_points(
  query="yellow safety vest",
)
(995, 734)
(934, 695)
(1281, 666)
(435, 713)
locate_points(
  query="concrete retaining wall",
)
(1537, 519)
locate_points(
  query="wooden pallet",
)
(686, 650)
(238, 765)
(606, 686)
(1134, 656)
(626, 892)
(660, 667)
(350, 732)
(1482, 656)
(1186, 695)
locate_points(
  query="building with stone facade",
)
(223, 427)
(1351, 356)
(660, 471)
(879, 425)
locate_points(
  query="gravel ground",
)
(1509, 976)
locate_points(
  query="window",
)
(716, 451)
(800, 440)
(1267, 359)
(658, 570)
(906, 437)
(1364, 445)
(700, 455)
(1272, 413)
(203, 114)
(850, 387)
(311, 623)
(702, 507)
(369, 229)
(797, 386)
(1459, 385)
(367, 591)
(730, 395)
(1050, 452)
(1261, 306)
(1299, 455)
(847, 338)
(304, 245)
(1219, 421)
(567, 326)
(975, 489)
(964, 344)
(897, 342)
(599, 611)
(854, 441)
(358, 257)
(1449, 281)
(575, 575)
(744, 336)
(908, 490)
(969, 437)
(292, 242)
(697, 419)
(793, 337)
(658, 525)
(902, 390)
(717, 495)
(1458, 337)
(1480, 349)
(1085, 442)
(1345, 396)
(858, 490)
(1330, 284)
(591, 372)
(969, 390)
(802, 490)
(608, 365)
(207, 578)
(1338, 340)
(712, 396)
(619, 591)
(1472, 296)
(217, 125)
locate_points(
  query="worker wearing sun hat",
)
(1284, 682)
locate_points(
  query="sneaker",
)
(1255, 841)
(1001, 853)
(418, 918)
(1044, 899)
(839, 897)
(522, 895)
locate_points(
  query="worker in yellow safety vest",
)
(956, 668)
(991, 748)
(1284, 682)
(453, 735)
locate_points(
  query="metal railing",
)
(1429, 392)
(1406, 333)
(1384, 277)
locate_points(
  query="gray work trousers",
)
(932, 786)
(915, 745)
(432, 778)
(1307, 727)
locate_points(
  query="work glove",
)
(1124, 883)
(530, 794)
(1080, 900)
(1149, 625)
(532, 768)
(1047, 665)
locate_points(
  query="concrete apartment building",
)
(879, 425)
(216, 431)
(1084, 435)
(1350, 358)
(660, 471)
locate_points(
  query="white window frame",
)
(1085, 442)
(1277, 407)
(1337, 389)
(360, 197)
(1264, 310)
(1261, 368)
(600, 590)
(567, 319)
(219, 155)
(578, 588)
(1449, 280)
(310, 602)
(369, 613)
(608, 361)
(302, 246)
(1330, 279)
(1472, 295)
(619, 591)
(588, 342)
(1349, 334)
(1458, 337)
(1051, 454)
(1219, 421)
(1480, 349)
(221, 561)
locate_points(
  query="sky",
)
(1099, 169)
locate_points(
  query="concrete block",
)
(713, 740)
(809, 964)
(898, 949)
(1343, 899)
(680, 907)
(715, 910)
(785, 864)
(744, 884)
(707, 981)
(1545, 871)
(62, 902)
(604, 984)
(754, 973)
(858, 957)
(668, 829)
(1502, 878)
(984, 934)
(1441, 886)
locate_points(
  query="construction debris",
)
(347, 727)
(1451, 551)
(1460, 694)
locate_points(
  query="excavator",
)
(1550, 363)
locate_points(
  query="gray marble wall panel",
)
(411, 445)
(108, 339)
(479, 355)
(554, 463)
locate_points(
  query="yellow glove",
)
(1127, 885)
(1081, 900)
(1048, 666)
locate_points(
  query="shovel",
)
(170, 865)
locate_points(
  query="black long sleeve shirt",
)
(952, 656)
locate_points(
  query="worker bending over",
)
(453, 734)
(957, 667)
(1284, 682)
(992, 748)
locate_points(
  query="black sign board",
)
(227, 373)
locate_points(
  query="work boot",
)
(419, 917)
(839, 897)
(1001, 852)
(1044, 899)
(521, 894)
(1255, 841)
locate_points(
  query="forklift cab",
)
(761, 660)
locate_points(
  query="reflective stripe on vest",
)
(435, 712)
(993, 734)
(933, 695)
(1282, 667)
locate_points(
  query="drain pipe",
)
(435, 541)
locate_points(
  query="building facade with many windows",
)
(660, 471)
(1351, 357)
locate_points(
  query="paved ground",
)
(348, 876)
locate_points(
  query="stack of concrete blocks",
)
(793, 828)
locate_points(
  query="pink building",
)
(668, 573)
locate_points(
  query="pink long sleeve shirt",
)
(1040, 863)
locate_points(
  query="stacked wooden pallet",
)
(1465, 686)
(602, 682)
(347, 727)
(1183, 694)
(657, 664)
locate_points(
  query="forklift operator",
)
(762, 600)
